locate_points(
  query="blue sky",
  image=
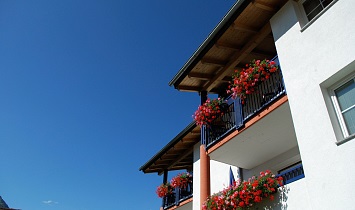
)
(85, 99)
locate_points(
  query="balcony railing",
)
(179, 195)
(292, 174)
(237, 113)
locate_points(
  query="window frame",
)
(336, 106)
(304, 22)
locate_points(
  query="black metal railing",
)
(292, 174)
(266, 92)
(179, 195)
(237, 113)
(231, 119)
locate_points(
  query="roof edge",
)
(176, 139)
(211, 38)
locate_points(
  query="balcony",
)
(290, 195)
(237, 113)
(178, 197)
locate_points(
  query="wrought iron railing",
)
(292, 174)
(237, 113)
(231, 119)
(179, 195)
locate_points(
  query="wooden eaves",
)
(243, 34)
(177, 154)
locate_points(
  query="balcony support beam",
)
(205, 190)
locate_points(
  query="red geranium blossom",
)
(242, 195)
(164, 190)
(208, 111)
(245, 80)
(181, 180)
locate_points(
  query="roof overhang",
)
(177, 154)
(242, 35)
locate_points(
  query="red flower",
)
(164, 190)
(241, 204)
(246, 79)
(208, 111)
(181, 180)
(257, 199)
(245, 194)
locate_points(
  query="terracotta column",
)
(204, 175)
(204, 163)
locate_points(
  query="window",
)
(343, 97)
(314, 7)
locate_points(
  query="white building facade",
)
(304, 121)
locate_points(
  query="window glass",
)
(313, 7)
(346, 100)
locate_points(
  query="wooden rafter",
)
(181, 157)
(189, 88)
(235, 48)
(200, 76)
(190, 139)
(264, 6)
(239, 56)
(245, 28)
(223, 45)
(213, 62)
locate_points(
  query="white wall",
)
(290, 197)
(220, 175)
(196, 178)
(276, 164)
(310, 60)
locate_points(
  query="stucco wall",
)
(290, 197)
(276, 164)
(196, 177)
(220, 175)
(311, 60)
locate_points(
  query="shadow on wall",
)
(284, 20)
(279, 203)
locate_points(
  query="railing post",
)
(238, 108)
(203, 135)
(165, 180)
(177, 195)
(203, 95)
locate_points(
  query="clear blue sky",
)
(85, 99)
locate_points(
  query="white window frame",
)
(336, 106)
(304, 22)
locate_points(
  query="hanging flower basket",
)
(181, 180)
(245, 80)
(243, 195)
(209, 111)
(164, 190)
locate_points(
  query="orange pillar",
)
(204, 175)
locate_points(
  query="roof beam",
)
(223, 45)
(181, 157)
(191, 139)
(213, 62)
(262, 54)
(227, 46)
(200, 76)
(189, 88)
(264, 6)
(239, 56)
(245, 28)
